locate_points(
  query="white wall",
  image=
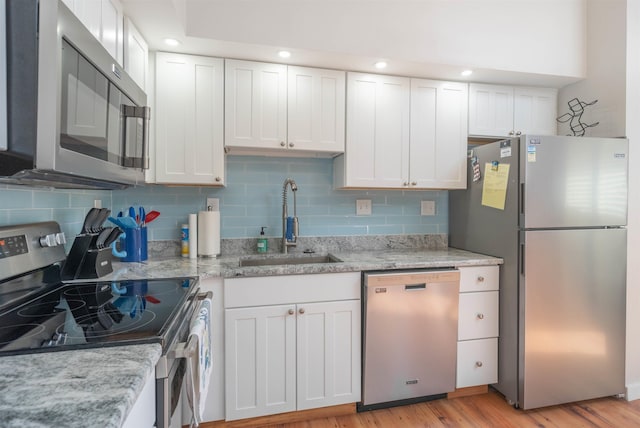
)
(606, 71)
(530, 36)
(633, 235)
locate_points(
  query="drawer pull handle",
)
(291, 312)
(481, 279)
(301, 310)
(478, 363)
(480, 316)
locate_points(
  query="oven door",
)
(171, 370)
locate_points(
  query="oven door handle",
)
(189, 348)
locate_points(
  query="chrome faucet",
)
(289, 228)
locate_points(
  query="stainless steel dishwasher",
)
(410, 333)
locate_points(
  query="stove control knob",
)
(48, 240)
(60, 238)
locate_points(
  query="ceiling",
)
(420, 38)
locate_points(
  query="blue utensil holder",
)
(134, 243)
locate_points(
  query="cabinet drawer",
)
(477, 362)
(478, 278)
(478, 315)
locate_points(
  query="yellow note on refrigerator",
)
(494, 187)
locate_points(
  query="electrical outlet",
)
(97, 203)
(363, 207)
(214, 203)
(428, 208)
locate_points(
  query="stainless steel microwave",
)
(75, 119)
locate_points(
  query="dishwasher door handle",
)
(410, 287)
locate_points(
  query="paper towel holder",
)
(209, 233)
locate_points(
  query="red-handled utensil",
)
(150, 216)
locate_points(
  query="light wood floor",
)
(487, 410)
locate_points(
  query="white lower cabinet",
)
(143, 412)
(281, 356)
(477, 361)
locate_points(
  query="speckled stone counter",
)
(229, 266)
(82, 388)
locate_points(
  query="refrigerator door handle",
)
(522, 258)
(521, 198)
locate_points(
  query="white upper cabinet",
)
(255, 104)
(278, 108)
(136, 54)
(189, 119)
(104, 18)
(316, 104)
(403, 133)
(438, 138)
(506, 111)
(377, 147)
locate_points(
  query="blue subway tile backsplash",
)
(251, 199)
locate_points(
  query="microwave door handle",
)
(143, 113)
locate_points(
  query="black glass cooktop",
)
(92, 314)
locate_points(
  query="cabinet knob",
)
(291, 312)
(478, 363)
(291, 144)
(301, 310)
(481, 279)
(282, 144)
(510, 132)
(480, 316)
(414, 183)
(218, 179)
(406, 183)
(518, 133)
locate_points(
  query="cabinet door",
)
(89, 12)
(136, 52)
(328, 343)
(260, 361)
(479, 278)
(111, 28)
(255, 104)
(189, 118)
(477, 362)
(316, 109)
(377, 131)
(535, 111)
(438, 142)
(478, 315)
(490, 110)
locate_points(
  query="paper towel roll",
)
(208, 233)
(193, 236)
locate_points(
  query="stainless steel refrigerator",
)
(562, 236)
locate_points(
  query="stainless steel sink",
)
(288, 259)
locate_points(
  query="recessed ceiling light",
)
(171, 42)
(284, 54)
(467, 72)
(381, 64)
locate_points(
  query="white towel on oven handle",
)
(199, 364)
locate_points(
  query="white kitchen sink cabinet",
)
(136, 54)
(477, 362)
(507, 111)
(189, 118)
(403, 133)
(104, 18)
(279, 109)
(298, 349)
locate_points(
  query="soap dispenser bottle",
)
(262, 241)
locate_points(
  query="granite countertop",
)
(228, 266)
(98, 387)
(81, 388)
